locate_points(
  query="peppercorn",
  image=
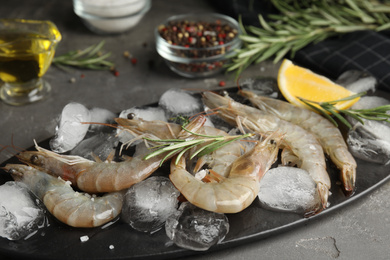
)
(197, 37)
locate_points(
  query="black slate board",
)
(59, 241)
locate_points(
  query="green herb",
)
(180, 146)
(91, 57)
(327, 109)
(303, 22)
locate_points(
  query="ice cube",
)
(363, 145)
(193, 228)
(70, 130)
(357, 81)
(368, 102)
(177, 102)
(21, 214)
(370, 141)
(146, 113)
(288, 189)
(100, 145)
(261, 86)
(149, 203)
(101, 115)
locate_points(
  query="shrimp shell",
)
(72, 208)
(302, 143)
(235, 192)
(221, 159)
(327, 134)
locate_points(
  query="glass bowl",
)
(197, 45)
(111, 17)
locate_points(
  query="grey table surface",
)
(357, 231)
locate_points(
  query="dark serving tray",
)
(59, 241)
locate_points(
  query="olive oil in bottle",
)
(27, 49)
(25, 57)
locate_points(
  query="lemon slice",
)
(295, 81)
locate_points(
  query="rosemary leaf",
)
(211, 149)
(164, 140)
(182, 153)
(197, 152)
(153, 154)
(248, 53)
(179, 147)
(383, 27)
(282, 53)
(346, 98)
(169, 155)
(250, 39)
(270, 52)
(380, 113)
(321, 111)
(265, 24)
(88, 58)
(339, 117)
(183, 144)
(353, 115)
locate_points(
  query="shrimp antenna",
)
(205, 113)
(12, 145)
(238, 84)
(98, 123)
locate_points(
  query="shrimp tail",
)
(323, 191)
(348, 177)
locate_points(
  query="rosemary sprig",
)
(328, 108)
(91, 57)
(302, 22)
(180, 146)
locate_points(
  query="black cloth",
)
(367, 51)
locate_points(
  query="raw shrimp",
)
(72, 208)
(94, 177)
(235, 192)
(327, 134)
(302, 143)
